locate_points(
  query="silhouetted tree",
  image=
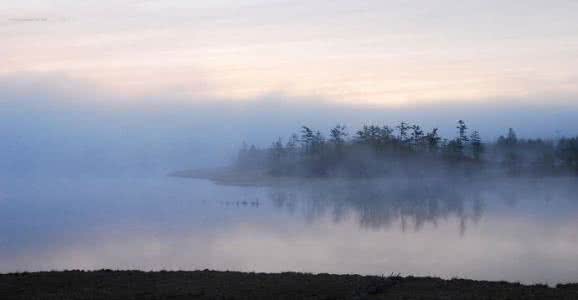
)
(369, 135)
(307, 137)
(403, 128)
(477, 146)
(568, 152)
(462, 132)
(458, 145)
(433, 140)
(318, 142)
(338, 134)
(386, 135)
(376, 150)
(277, 154)
(292, 142)
(417, 136)
(508, 147)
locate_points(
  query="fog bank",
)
(51, 125)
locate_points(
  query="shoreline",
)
(259, 178)
(206, 284)
(232, 177)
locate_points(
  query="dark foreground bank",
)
(107, 284)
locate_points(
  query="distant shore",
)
(230, 176)
(256, 177)
(107, 284)
(235, 177)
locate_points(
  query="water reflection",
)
(517, 229)
(383, 204)
(410, 204)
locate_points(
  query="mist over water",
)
(507, 229)
(83, 184)
(370, 137)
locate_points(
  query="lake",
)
(510, 229)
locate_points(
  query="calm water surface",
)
(517, 230)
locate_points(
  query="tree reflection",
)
(410, 204)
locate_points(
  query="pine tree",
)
(433, 140)
(338, 134)
(462, 139)
(477, 146)
(462, 132)
(417, 136)
(403, 128)
(307, 137)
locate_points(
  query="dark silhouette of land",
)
(404, 151)
(409, 150)
(107, 284)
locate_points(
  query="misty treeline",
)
(408, 149)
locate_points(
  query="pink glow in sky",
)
(379, 52)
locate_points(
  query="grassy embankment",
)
(106, 284)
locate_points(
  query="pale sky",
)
(378, 52)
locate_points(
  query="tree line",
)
(408, 149)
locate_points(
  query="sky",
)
(167, 82)
(387, 53)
